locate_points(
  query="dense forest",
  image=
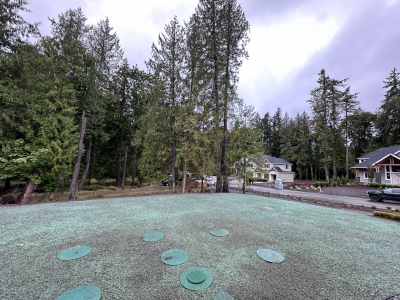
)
(72, 108)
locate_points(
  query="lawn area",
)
(328, 253)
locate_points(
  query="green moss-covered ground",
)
(328, 253)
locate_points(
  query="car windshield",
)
(387, 191)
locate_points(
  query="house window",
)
(287, 167)
(388, 172)
(365, 175)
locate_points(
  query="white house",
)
(269, 167)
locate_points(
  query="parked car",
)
(169, 183)
(386, 194)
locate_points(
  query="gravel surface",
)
(328, 254)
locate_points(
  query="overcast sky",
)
(290, 42)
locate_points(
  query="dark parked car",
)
(386, 194)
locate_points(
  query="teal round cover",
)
(174, 257)
(192, 273)
(153, 236)
(220, 232)
(205, 224)
(75, 252)
(223, 296)
(270, 255)
(89, 292)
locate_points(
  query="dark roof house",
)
(386, 164)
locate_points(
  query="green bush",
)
(382, 185)
(387, 215)
(334, 184)
(326, 184)
(111, 187)
(94, 187)
(338, 182)
(343, 180)
(262, 179)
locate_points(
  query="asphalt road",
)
(320, 196)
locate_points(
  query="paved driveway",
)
(320, 196)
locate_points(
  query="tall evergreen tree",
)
(235, 29)
(167, 65)
(350, 106)
(320, 109)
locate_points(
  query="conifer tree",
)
(235, 29)
(167, 65)
(320, 109)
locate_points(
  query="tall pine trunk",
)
(347, 150)
(134, 166)
(118, 179)
(184, 177)
(85, 173)
(7, 184)
(312, 172)
(123, 176)
(73, 194)
(173, 167)
(334, 157)
(244, 176)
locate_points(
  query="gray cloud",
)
(366, 49)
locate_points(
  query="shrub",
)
(94, 187)
(373, 207)
(374, 185)
(334, 184)
(326, 184)
(338, 182)
(387, 215)
(111, 187)
(343, 180)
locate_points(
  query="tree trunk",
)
(85, 173)
(334, 157)
(24, 195)
(134, 167)
(7, 184)
(244, 175)
(202, 178)
(225, 187)
(173, 167)
(347, 150)
(312, 172)
(123, 176)
(184, 178)
(118, 179)
(90, 170)
(75, 176)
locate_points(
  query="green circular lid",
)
(270, 255)
(153, 236)
(220, 232)
(75, 252)
(174, 257)
(89, 292)
(196, 274)
(223, 296)
(205, 224)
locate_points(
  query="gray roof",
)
(279, 170)
(375, 156)
(275, 160)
